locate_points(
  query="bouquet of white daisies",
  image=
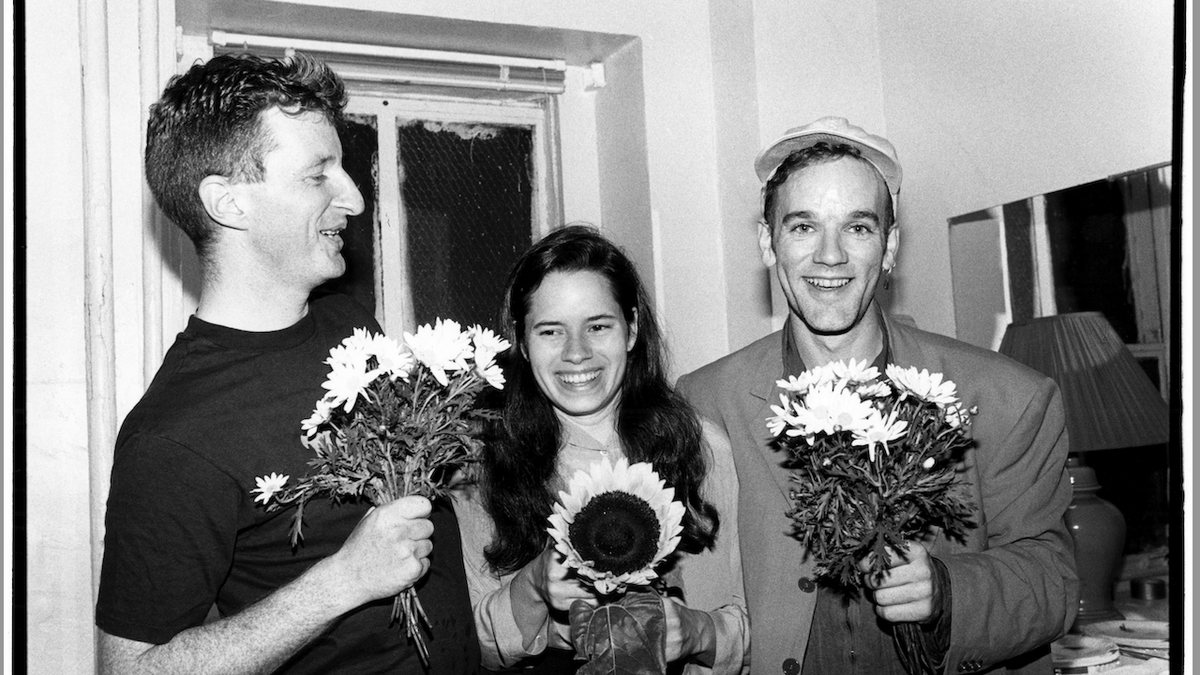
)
(399, 419)
(874, 462)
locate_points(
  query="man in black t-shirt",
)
(243, 154)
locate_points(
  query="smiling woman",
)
(576, 339)
(587, 386)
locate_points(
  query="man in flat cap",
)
(990, 603)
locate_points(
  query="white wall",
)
(60, 488)
(60, 584)
(814, 59)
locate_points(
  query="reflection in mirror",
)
(1102, 246)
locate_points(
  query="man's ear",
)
(216, 194)
(764, 243)
(890, 248)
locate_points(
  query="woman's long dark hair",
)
(654, 423)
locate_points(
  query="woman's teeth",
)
(579, 378)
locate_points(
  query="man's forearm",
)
(256, 640)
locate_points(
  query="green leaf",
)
(625, 637)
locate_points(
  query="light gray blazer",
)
(1013, 582)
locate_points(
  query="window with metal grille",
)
(454, 192)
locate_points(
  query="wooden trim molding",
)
(99, 313)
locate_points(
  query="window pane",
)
(468, 204)
(360, 150)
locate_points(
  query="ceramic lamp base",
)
(1098, 529)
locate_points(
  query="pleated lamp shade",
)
(1110, 401)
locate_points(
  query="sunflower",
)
(616, 524)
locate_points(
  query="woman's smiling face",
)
(576, 339)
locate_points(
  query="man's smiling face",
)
(830, 243)
(296, 213)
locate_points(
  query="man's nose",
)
(830, 250)
(350, 198)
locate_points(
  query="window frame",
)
(393, 291)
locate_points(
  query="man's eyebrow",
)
(865, 214)
(860, 214)
(796, 214)
(320, 162)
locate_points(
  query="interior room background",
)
(663, 108)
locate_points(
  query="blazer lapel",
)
(764, 393)
(906, 350)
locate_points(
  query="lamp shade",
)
(1110, 401)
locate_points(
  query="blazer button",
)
(791, 667)
(807, 585)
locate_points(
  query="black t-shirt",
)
(183, 530)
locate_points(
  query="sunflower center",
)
(617, 532)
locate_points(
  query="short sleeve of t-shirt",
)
(166, 522)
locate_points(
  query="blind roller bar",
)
(502, 84)
(224, 39)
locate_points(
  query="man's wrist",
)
(331, 589)
(940, 602)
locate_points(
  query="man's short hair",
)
(208, 122)
(818, 153)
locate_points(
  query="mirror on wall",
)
(1103, 246)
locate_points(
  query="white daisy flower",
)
(319, 416)
(923, 385)
(484, 338)
(346, 382)
(797, 385)
(785, 417)
(878, 431)
(828, 410)
(394, 360)
(957, 416)
(874, 390)
(351, 354)
(856, 372)
(443, 348)
(488, 369)
(267, 486)
(813, 377)
(615, 524)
